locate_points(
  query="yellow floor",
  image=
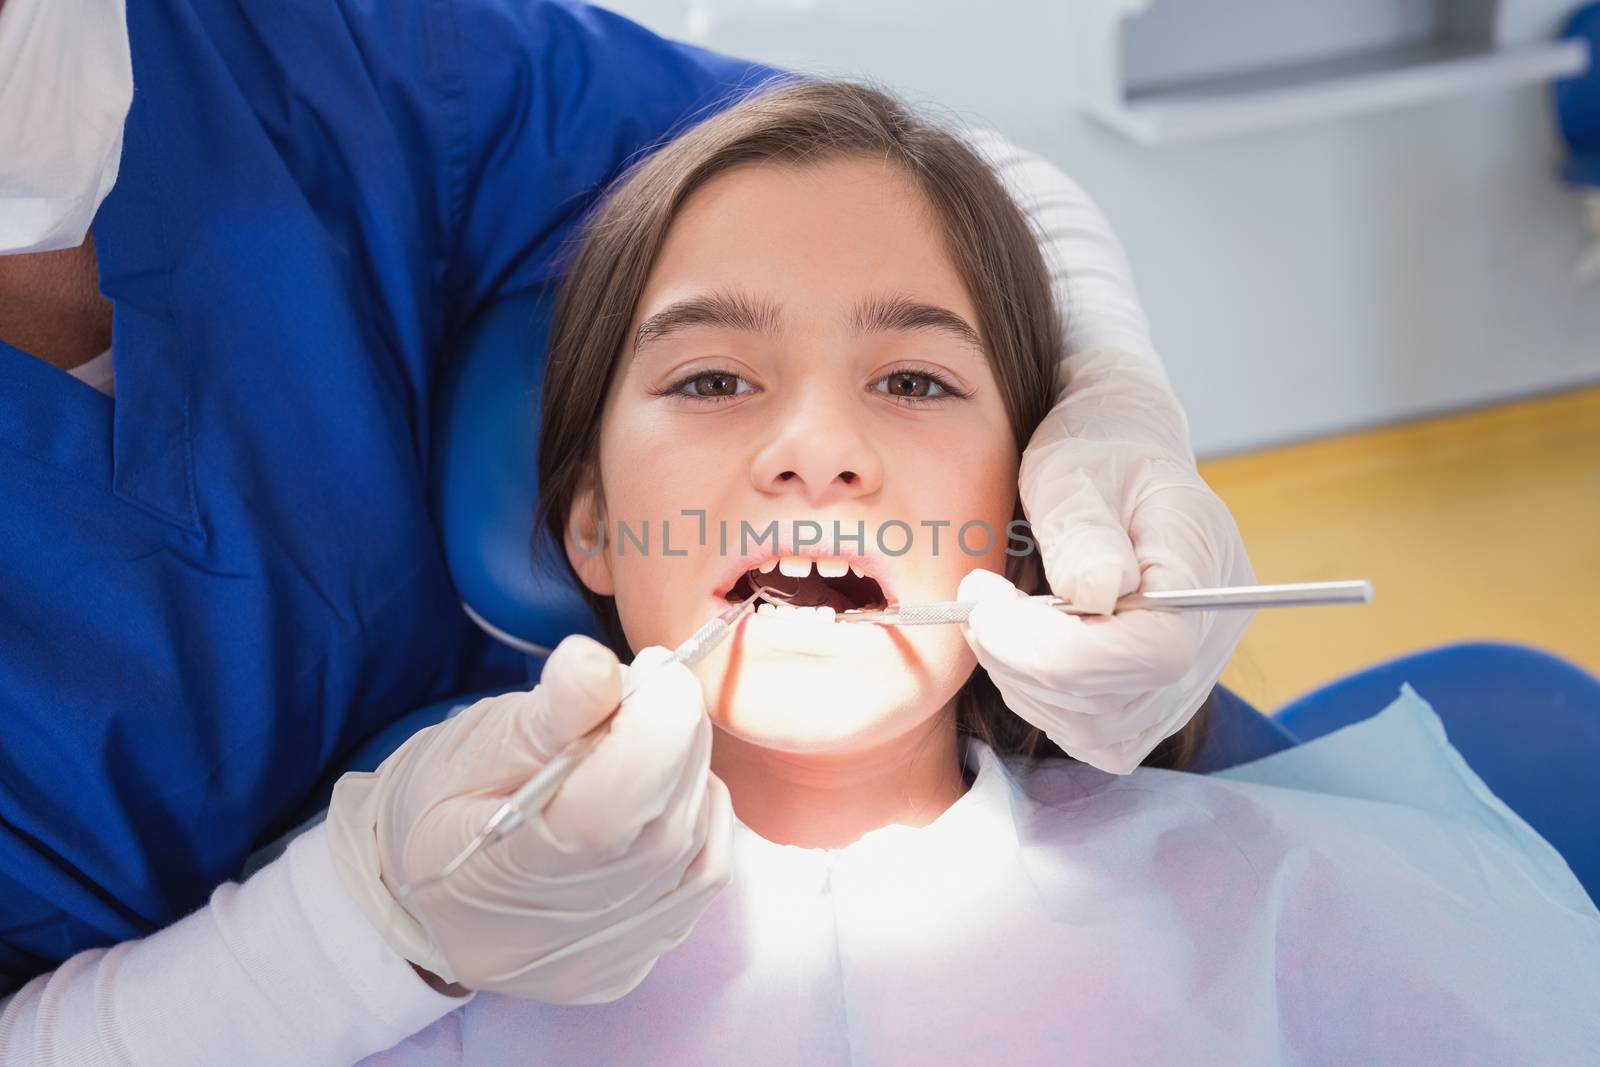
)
(1479, 525)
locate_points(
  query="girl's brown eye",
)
(907, 383)
(716, 383)
(917, 388)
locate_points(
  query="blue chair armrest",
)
(1527, 722)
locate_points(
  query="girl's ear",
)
(585, 538)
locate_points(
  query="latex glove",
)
(1116, 506)
(573, 907)
(1110, 486)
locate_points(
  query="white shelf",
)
(1367, 82)
(1265, 95)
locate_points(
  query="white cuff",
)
(292, 971)
(284, 969)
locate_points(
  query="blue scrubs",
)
(218, 584)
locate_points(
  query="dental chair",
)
(1577, 104)
(1527, 723)
(1577, 107)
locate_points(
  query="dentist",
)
(236, 237)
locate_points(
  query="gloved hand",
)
(1116, 506)
(573, 907)
(1110, 486)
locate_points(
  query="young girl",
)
(819, 308)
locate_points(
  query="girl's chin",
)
(797, 737)
(805, 709)
(801, 704)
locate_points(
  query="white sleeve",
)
(283, 969)
(66, 84)
(1089, 270)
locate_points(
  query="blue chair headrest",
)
(1577, 102)
(486, 480)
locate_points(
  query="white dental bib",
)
(1062, 914)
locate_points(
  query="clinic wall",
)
(1299, 281)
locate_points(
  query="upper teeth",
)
(799, 567)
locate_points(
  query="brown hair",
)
(795, 122)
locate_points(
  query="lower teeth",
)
(820, 614)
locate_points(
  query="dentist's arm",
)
(1111, 491)
(316, 960)
(284, 968)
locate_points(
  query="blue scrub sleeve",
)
(551, 101)
(450, 145)
(231, 579)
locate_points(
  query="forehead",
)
(814, 235)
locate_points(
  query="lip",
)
(870, 563)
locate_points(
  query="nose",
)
(818, 447)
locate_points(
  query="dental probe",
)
(1284, 595)
(538, 790)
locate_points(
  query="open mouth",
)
(811, 583)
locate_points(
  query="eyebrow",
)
(735, 311)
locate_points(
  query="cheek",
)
(653, 466)
(636, 479)
(1002, 507)
(977, 484)
(634, 496)
(651, 470)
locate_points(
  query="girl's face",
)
(805, 351)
